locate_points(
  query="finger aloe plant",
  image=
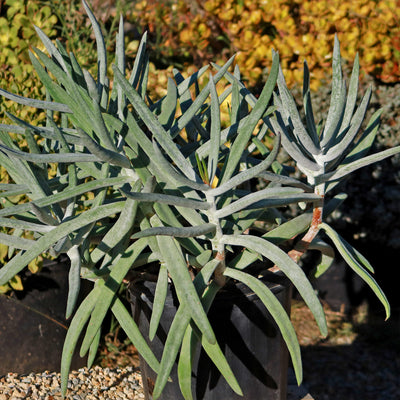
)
(139, 181)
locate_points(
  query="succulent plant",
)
(117, 181)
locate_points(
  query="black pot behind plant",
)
(247, 334)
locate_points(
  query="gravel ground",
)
(96, 384)
(360, 360)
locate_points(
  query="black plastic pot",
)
(33, 324)
(246, 333)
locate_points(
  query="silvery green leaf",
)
(172, 346)
(289, 229)
(185, 84)
(91, 86)
(120, 229)
(215, 132)
(168, 105)
(151, 121)
(74, 279)
(366, 140)
(15, 241)
(344, 140)
(352, 94)
(270, 197)
(179, 325)
(139, 63)
(199, 101)
(247, 95)
(183, 232)
(284, 180)
(308, 143)
(277, 125)
(46, 105)
(94, 347)
(353, 166)
(129, 326)
(120, 63)
(327, 257)
(46, 132)
(288, 267)
(336, 95)
(347, 253)
(245, 131)
(187, 295)
(121, 266)
(73, 333)
(160, 295)
(308, 110)
(25, 225)
(43, 215)
(277, 312)
(214, 352)
(16, 264)
(102, 154)
(67, 194)
(166, 169)
(248, 174)
(101, 46)
(50, 158)
(168, 199)
(52, 50)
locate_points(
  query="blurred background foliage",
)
(187, 34)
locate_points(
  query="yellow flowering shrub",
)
(193, 32)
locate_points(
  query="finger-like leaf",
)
(68, 194)
(46, 105)
(120, 268)
(327, 257)
(74, 279)
(159, 300)
(249, 173)
(215, 132)
(288, 267)
(129, 326)
(154, 126)
(186, 293)
(168, 199)
(50, 158)
(270, 197)
(15, 241)
(353, 166)
(353, 262)
(245, 131)
(277, 312)
(190, 231)
(75, 329)
(16, 264)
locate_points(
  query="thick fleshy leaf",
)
(129, 326)
(46, 105)
(288, 267)
(270, 197)
(159, 300)
(185, 290)
(75, 329)
(191, 231)
(215, 132)
(17, 263)
(277, 312)
(154, 125)
(74, 279)
(121, 266)
(353, 166)
(348, 255)
(246, 130)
